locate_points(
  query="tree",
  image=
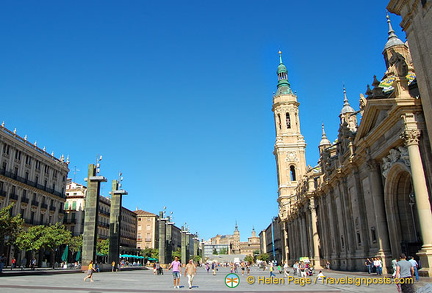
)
(44, 237)
(249, 258)
(150, 252)
(177, 253)
(196, 258)
(10, 227)
(263, 257)
(102, 246)
(215, 251)
(75, 243)
(223, 251)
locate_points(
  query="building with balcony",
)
(31, 179)
(147, 230)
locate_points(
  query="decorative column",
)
(379, 211)
(315, 236)
(115, 221)
(184, 245)
(411, 138)
(91, 215)
(162, 238)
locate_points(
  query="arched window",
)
(288, 120)
(292, 173)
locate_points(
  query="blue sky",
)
(177, 95)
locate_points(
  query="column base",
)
(425, 255)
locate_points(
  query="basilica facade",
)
(369, 195)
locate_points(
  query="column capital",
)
(411, 137)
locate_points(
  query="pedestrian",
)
(414, 264)
(271, 269)
(90, 271)
(23, 263)
(176, 265)
(113, 266)
(213, 266)
(404, 272)
(302, 267)
(368, 264)
(286, 268)
(190, 272)
(33, 263)
(13, 263)
(2, 262)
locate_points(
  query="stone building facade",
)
(147, 230)
(31, 179)
(369, 196)
(233, 243)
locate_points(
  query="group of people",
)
(189, 271)
(374, 265)
(14, 263)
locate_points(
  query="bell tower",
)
(290, 146)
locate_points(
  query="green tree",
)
(75, 243)
(249, 258)
(44, 237)
(263, 257)
(196, 258)
(215, 251)
(223, 251)
(10, 227)
(150, 252)
(177, 253)
(102, 246)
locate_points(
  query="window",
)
(28, 160)
(74, 205)
(288, 120)
(38, 164)
(373, 235)
(358, 238)
(148, 228)
(292, 173)
(18, 155)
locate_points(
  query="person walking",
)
(90, 271)
(404, 272)
(415, 267)
(190, 272)
(33, 263)
(23, 263)
(271, 269)
(2, 262)
(13, 263)
(176, 265)
(113, 266)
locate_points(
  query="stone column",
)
(183, 246)
(421, 197)
(115, 222)
(379, 211)
(162, 238)
(315, 236)
(169, 240)
(91, 216)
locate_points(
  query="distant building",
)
(233, 243)
(271, 241)
(147, 230)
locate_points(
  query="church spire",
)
(392, 39)
(346, 107)
(282, 73)
(324, 140)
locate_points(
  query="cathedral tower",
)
(289, 149)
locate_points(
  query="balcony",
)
(44, 206)
(25, 200)
(13, 196)
(34, 203)
(52, 208)
(2, 193)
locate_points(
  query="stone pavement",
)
(144, 281)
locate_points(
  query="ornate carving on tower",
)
(411, 136)
(289, 149)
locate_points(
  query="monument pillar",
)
(115, 222)
(315, 236)
(91, 215)
(162, 238)
(183, 246)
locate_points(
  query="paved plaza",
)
(146, 281)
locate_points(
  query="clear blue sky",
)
(177, 94)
